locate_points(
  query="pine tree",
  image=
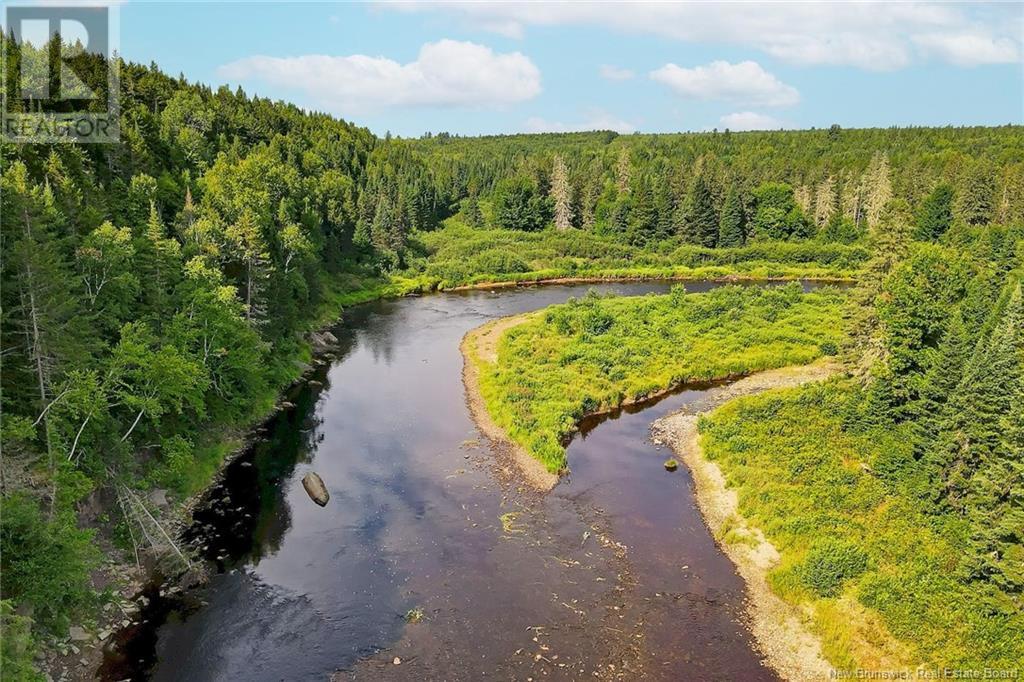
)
(942, 377)
(561, 194)
(733, 221)
(973, 432)
(643, 217)
(976, 195)
(474, 216)
(984, 467)
(703, 219)
(936, 214)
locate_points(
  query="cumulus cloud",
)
(749, 120)
(447, 73)
(744, 82)
(615, 73)
(596, 120)
(878, 36)
(969, 49)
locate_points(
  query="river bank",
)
(779, 629)
(546, 479)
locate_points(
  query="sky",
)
(488, 67)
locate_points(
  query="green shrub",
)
(17, 645)
(592, 354)
(829, 564)
(45, 562)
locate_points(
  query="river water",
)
(612, 575)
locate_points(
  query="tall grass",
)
(458, 255)
(869, 558)
(597, 353)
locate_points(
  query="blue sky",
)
(477, 68)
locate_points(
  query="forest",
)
(892, 491)
(156, 296)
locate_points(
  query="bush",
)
(17, 645)
(45, 563)
(498, 261)
(829, 564)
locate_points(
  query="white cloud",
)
(969, 49)
(447, 73)
(596, 120)
(869, 35)
(749, 120)
(615, 73)
(744, 82)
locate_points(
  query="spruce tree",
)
(703, 219)
(936, 214)
(733, 222)
(643, 217)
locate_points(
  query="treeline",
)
(951, 371)
(154, 292)
(725, 188)
(896, 496)
(154, 295)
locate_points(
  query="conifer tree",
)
(561, 194)
(733, 222)
(936, 214)
(703, 218)
(976, 194)
(643, 217)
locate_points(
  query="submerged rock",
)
(316, 489)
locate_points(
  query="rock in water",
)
(671, 464)
(314, 485)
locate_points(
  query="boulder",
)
(671, 464)
(158, 497)
(315, 488)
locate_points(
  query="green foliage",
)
(457, 255)
(17, 645)
(597, 353)
(777, 215)
(829, 564)
(936, 214)
(46, 560)
(702, 219)
(732, 226)
(820, 484)
(518, 205)
(904, 493)
(841, 230)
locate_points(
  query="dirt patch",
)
(779, 628)
(480, 346)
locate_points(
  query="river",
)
(612, 575)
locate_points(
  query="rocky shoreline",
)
(780, 629)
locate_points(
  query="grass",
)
(595, 354)
(457, 255)
(860, 553)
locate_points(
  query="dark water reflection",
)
(414, 521)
